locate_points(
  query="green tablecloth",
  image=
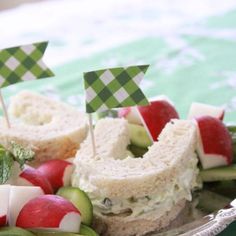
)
(198, 64)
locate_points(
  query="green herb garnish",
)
(6, 162)
(21, 154)
(7, 157)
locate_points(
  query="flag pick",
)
(114, 87)
(22, 63)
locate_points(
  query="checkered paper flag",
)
(23, 63)
(114, 87)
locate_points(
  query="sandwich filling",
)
(160, 202)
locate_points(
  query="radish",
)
(214, 144)
(33, 177)
(154, 116)
(131, 114)
(201, 109)
(58, 172)
(50, 212)
(19, 196)
(4, 203)
(157, 115)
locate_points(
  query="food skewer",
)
(14, 63)
(5, 111)
(92, 134)
(113, 88)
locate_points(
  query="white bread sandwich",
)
(53, 130)
(135, 196)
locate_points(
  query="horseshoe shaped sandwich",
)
(135, 196)
(53, 129)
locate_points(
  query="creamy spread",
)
(160, 202)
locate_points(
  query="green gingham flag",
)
(23, 63)
(114, 87)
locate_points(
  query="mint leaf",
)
(21, 154)
(16, 153)
(6, 162)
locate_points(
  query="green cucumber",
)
(81, 201)
(84, 231)
(232, 131)
(219, 174)
(87, 231)
(138, 136)
(14, 231)
(234, 148)
(137, 151)
(210, 201)
(226, 188)
(53, 233)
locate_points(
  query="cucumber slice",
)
(81, 200)
(137, 151)
(226, 188)
(210, 201)
(87, 231)
(231, 128)
(14, 231)
(139, 136)
(53, 233)
(232, 131)
(234, 149)
(219, 174)
(84, 231)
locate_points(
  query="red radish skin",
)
(56, 171)
(215, 140)
(4, 203)
(130, 114)
(3, 220)
(123, 112)
(34, 177)
(19, 196)
(157, 115)
(46, 211)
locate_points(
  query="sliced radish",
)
(58, 172)
(131, 114)
(201, 109)
(157, 115)
(50, 212)
(19, 196)
(214, 142)
(33, 177)
(4, 203)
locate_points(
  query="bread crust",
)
(119, 226)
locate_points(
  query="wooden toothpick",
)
(5, 110)
(92, 134)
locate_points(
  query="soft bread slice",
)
(53, 129)
(111, 138)
(107, 176)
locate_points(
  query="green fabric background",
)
(198, 72)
